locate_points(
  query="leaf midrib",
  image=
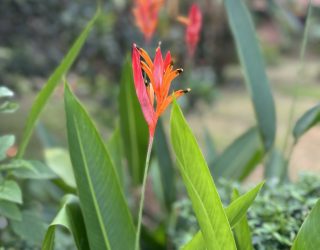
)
(95, 202)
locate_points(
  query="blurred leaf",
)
(114, 148)
(106, 214)
(235, 212)
(306, 121)
(51, 84)
(10, 191)
(241, 230)
(308, 236)
(253, 68)
(5, 92)
(28, 169)
(31, 228)
(134, 129)
(200, 186)
(6, 142)
(10, 210)
(8, 107)
(275, 166)
(240, 158)
(166, 166)
(211, 152)
(69, 217)
(58, 161)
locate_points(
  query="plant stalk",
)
(143, 189)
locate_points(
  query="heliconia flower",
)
(194, 24)
(146, 16)
(153, 89)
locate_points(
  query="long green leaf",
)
(308, 235)
(69, 217)
(200, 186)
(306, 121)
(242, 233)
(235, 212)
(51, 84)
(134, 129)
(106, 214)
(6, 142)
(252, 63)
(240, 158)
(275, 165)
(166, 166)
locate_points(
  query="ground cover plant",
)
(107, 187)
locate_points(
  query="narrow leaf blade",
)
(252, 63)
(51, 84)
(200, 186)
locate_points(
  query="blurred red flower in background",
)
(194, 24)
(156, 84)
(146, 16)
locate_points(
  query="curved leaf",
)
(106, 214)
(308, 235)
(200, 186)
(51, 84)
(69, 217)
(6, 142)
(10, 191)
(306, 121)
(10, 210)
(240, 158)
(253, 67)
(134, 129)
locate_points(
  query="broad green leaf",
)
(10, 191)
(306, 121)
(6, 142)
(69, 217)
(241, 231)
(52, 83)
(58, 160)
(235, 212)
(253, 67)
(5, 92)
(10, 210)
(308, 235)
(115, 149)
(211, 152)
(24, 169)
(134, 129)
(166, 166)
(196, 176)
(31, 228)
(106, 214)
(240, 158)
(275, 165)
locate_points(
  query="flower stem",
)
(143, 189)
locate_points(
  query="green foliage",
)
(6, 142)
(200, 186)
(44, 95)
(7, 106)
(69, 217)
(308, 235)
(134, 129)
(10, 210)
(306, 121)
(240, 158)
(254, 70)
(105, 211)
(275, 166)
(10, 191)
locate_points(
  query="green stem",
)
(300, 75)
(143, 189)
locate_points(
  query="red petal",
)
(158, 69)
(146, 106)
(193, 29)
(167, 60)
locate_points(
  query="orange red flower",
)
(153, 89)
(146, 16)
(194, 24)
